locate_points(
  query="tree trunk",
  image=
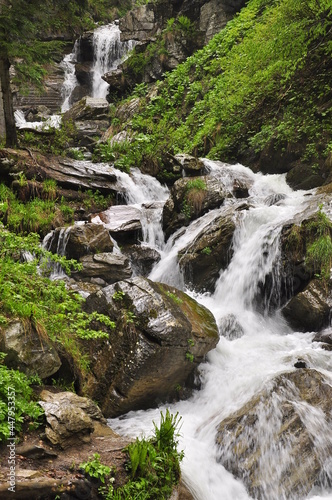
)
(11, 136)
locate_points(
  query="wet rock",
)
(84, 239)
(108, 267)
(189, 199)
(304, 177)
(69, 418)
(88, 108)
(161, 335)
(270, 443)
(230, 327)
(209, 252)
(325, 337)
(142, 258)
(122, 221)
(28, 351)
(309, 310)
(192, 166)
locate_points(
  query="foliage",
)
(319, 248)
(174, 297)
(252, 84)
(15, 387)
(94, 468)
(28, 294)
(36, 215)
(207, 251)
(154, 464)
(56, 141)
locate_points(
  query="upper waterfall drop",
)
(109, 51)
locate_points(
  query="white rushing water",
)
(70, 80)
(238, 369)
(109, 51)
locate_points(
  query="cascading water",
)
(238, 369)
(148, 196)
(109, 51)
(70, 80)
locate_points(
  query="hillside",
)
(258, 93)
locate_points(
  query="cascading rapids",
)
(237, 370)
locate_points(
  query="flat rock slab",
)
(120, 218)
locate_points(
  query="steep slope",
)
(258, 93)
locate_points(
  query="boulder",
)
(88, 108)
(309, 310)
(28, 351)
(325, 337)
(108, 267)
(76, 241)
(122, 221)
(189, 199)
(69, 418)
(142, 258)
(230, 327)
(161, 335)
(211, 251)
(191, 166)
(270, 443)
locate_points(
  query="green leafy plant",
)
(94, 468)
(154, 464)
(207, 251)
(17, 405)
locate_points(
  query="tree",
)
(21, 23)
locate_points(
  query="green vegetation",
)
(47, 306)
(207, 251)
(15, 387)
(37, 215)
(94, 468)
(153, 465)
(250, 87)
(174, 297)
(319, 250)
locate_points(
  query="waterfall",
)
(238, 369)
(147, 195)
(109, 51)
(70, 80)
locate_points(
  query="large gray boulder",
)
(107, 267)
(88, 108)
(190, 198)
(28, 351)
(78, 240)
(160, 337)
(70, 419)
(272, 443)
(211, 251)
(310, 309)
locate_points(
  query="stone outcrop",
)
(122, 221)
(82, 239)
(210, 252)
(88, 108)
(270, 443)
(103, 268)
(161, 335)
(192, 197)
(69, 418)
(28, 351)
(310, 309)
(189, 199)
